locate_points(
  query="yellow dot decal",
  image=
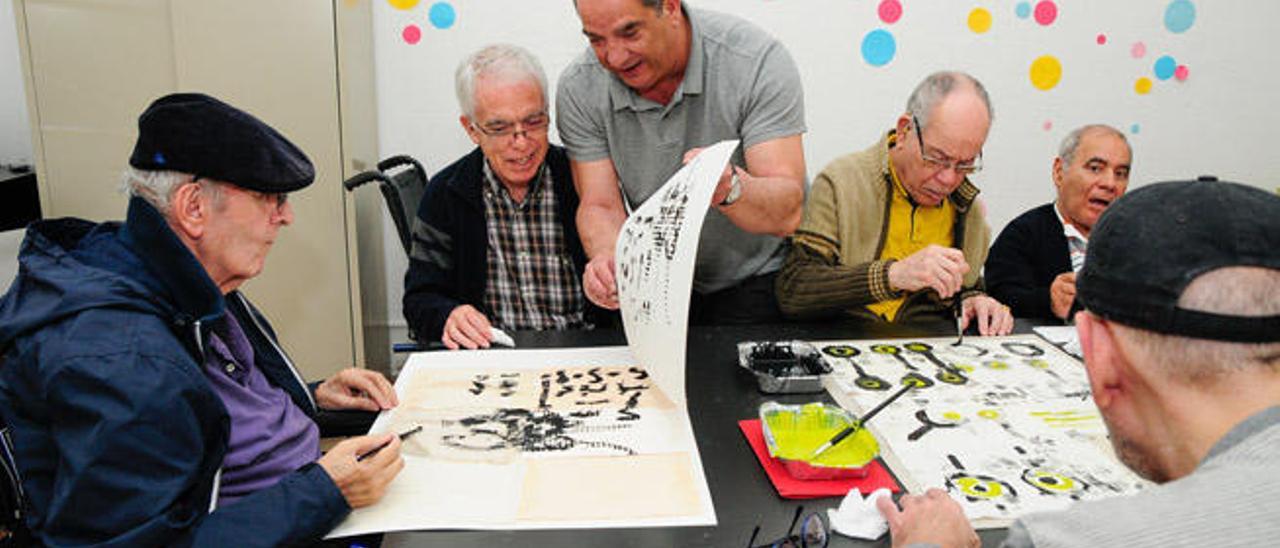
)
(403, 4)
(989, 414)
(964, 367)
(1142, 86)
(979, 20)
(952, 416)
(1046, 71)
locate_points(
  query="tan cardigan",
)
(833, 263)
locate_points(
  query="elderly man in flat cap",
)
(1181, 339)
(149, 402)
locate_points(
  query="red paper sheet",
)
(791, 488)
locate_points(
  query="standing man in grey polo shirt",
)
(660, 82)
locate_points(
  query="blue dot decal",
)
(442, 15)
(1135, 129)
(1164, 67)
(1179, 16)
(1023, 10)
(878, 48)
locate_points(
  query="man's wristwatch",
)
(735, 191)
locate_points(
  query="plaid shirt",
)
(532, 282)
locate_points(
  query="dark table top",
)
(720, 394)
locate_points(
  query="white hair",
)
(1071, 143)
(157, 187)
(503, 59)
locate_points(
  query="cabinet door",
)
(277, 60)
(96, 65)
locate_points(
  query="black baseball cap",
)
(197, 134)
(1150, 244)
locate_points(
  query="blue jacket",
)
(118, 436)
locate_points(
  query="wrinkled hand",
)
(355, 388)
(598, 282)
(466, 327)
(931, 518)
(363, 482)
(936, 267)
(726, 178)
(993, 318)
(1062, 292)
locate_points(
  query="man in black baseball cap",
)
(1181, 337)
(149, 402)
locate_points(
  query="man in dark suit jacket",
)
(1033, 263)
(495, 243)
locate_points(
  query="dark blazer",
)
(1029, 253)
(449, 262)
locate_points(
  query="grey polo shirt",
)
(740, 83)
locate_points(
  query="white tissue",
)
(858, 517)
(501, 337)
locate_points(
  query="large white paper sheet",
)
(537, 439)
(1005, 424)
(655, 256)
(566, 438)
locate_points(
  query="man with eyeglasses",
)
(149, 401)
(1033, 263)
(659, 81)
(494, 242)
(893, 232)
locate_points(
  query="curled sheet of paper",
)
(654, 258)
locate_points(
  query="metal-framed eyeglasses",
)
(503, 129)
(813, 533)
(962, 169)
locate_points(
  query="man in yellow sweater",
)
(893, 232)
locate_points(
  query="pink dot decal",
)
(890, 11)
(1138, 50)
(1046, 12)
(1181, 73)
(411, 34)
(1102, 39)
(1048, 125)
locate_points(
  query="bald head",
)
(941, 86)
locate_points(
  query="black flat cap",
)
(1152, 243)
(197, 134)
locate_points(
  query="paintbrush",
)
(403, 436)
(957, 309)
(859, 423)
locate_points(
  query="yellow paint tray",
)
(793, 432)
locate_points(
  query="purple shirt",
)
(270, 435)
